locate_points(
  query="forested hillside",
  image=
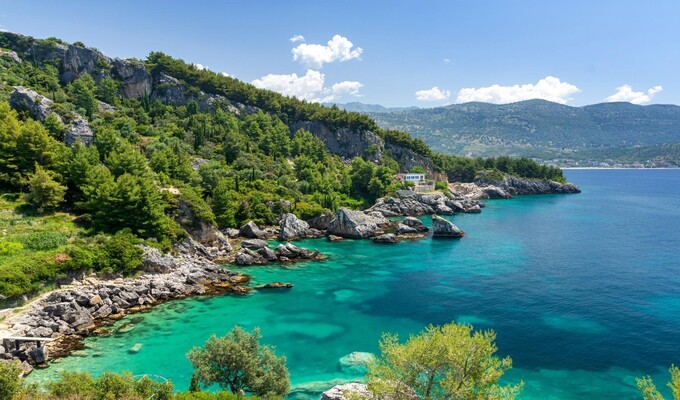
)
(545, 130)
(101, 153)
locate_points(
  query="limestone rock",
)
(386, 238)
(416, 224)
(354, 391)
(444, 228)
(253, 244)
(353, 224)
(268, 254)
(157, 263)
(80, 60)
(356, 362)
(292, 228)
(38, 106)
(403, 229)
(137, 80)
(78, 129)
(12, 55)
(333, 238)
(252, 231)
(275, 285)
(321, 222)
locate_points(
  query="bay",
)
(583, 291)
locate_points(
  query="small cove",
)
(582, 290)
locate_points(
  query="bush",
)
(441, 185)
(9, 248)
(44, 240)
(307, 211)
(121, 254)
(10, 383)
(110, 386)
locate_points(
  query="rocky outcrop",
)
(423, 204)
(403, 229)
(81, 60)
(293, 228)
(514, 186)
(137, 81)
(72, 313)
(386, 238)
(169, 90)
(275, 285)
(47, 51)
(78, 129)
(347, 391)
(356, 362)
(353, 224)
(321, 222)
(38, 106)
(12, 55)
(342, 141)
(252, 253)
(473, 191)
(442, 227)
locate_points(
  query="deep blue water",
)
(583, 291)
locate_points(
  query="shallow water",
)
(582, 290)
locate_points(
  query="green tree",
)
(54, 126)
(82, 94)
(107, 90)
(237, 362)
(222, 204)
(10, 382)
(44, 192)
(649, 390)
(447, 362)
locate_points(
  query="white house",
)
(412, 177)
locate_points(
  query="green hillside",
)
(545, 130)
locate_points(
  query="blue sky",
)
(397, 53)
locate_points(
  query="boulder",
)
(80, 60)
(379, 218)
(473, 209)
(444, 228)
(354, 391)
(333, 238)
(253, 244)
(248, 257)
(386, 238)
(292, 228)
(353, 224)
(416, 224)
(268, 254)
(157, 263)
(78, 129)
(38, 106)
(12, 55)
(252, 231)
(403, 229)
(321, 222)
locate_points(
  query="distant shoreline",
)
(615, 168)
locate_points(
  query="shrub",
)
(44, 240)
(121, 253)
(10, 383)
(9, 248)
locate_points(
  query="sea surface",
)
(583, 291)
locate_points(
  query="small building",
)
(411, 177)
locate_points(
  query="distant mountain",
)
(545, 130)
(370, 108)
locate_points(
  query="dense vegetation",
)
(536, 128)
(228, 159)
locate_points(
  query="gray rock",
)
(12, 55)
(386, 238)
(248, 257)
(252, 231)
(380, 219)
(104, 107)
(321, 222)
(403, 229)
(416, 224)
(78, 129)
(353, 224)
(46, 51)
(157, 263)
(347, 391)
(38, 106)
(292, 228)
(444, 228)
(253, 244)
(390, 206)
(80, 60)
(342, 141)
(231, 232)
(137, 82)
(268, 254)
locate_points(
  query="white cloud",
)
(446, 61)
(433, 94)
(225, 74)
(626, 93)
(200, 67)
(3, 29)
(339, 48)
(311, 86)
(297, 38)
(549, 88)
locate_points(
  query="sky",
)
(394, 53)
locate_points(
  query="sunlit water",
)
(583, 291)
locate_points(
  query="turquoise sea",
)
(582, 290)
